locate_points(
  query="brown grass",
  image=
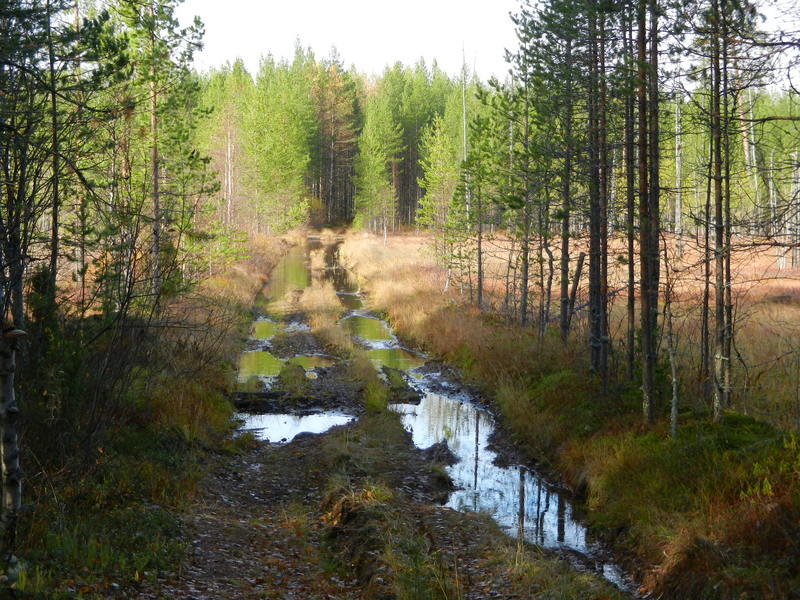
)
(404, 280)
(686, 506)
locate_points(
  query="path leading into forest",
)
(372, 475)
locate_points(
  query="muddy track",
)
(297, 521)
(356, 511)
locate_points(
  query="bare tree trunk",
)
(12, 472)
(774, 229)
(719, 226)
(56, 203)
(548, 290)
(526, 220)
(646, 223)
(156, 241)
(575, 283)
(653, 199)
(603, 208)
(678, 178)
(705, 331)
(630, 192)
(525, 256)
(479, 250)
(750, 135)
(673, 362)
(595, 206)
(566, 200)
(228, 178)
(464, 125)
(795, 202)
(510, 273)
(727, 366)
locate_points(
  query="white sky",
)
(369, 34)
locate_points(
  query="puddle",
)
(518, 499)
(350, 301)
(280, 429)
(259, 363)
(395, 358)
(312, 361)
(343, 281)
(263, 329)
(290, 275)
(366, 328)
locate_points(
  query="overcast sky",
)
(367, 33)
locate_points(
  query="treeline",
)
(307, 139)
(634, 159)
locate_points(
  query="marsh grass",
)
(292, 381)
(703, 509)
(373, 527)
(375, 391)
(533, 577)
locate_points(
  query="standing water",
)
(519, 499)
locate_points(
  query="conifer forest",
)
(302, 331)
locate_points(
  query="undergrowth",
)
(116, 437)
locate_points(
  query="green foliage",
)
(440, 175)
(378, 144)
(280, 125)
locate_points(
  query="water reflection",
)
(290, 276)
(263, 329)
(284, 428)
(336, 273)
(369, 329)
(518, 499)
(259, 363)
(351, 301)
(395, 358)
(312, 361)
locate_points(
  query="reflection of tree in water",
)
(341, 278)
(275, 428)
(287, 280)
(517, 498)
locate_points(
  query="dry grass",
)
(320, 300)
(708, 508)
(404, 280)
(322, 308)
